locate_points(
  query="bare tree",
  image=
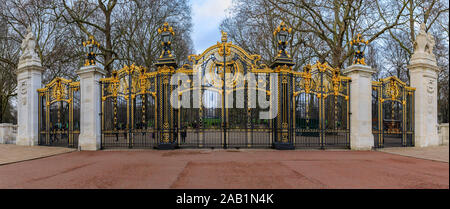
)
(127, 30)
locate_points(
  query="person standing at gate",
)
(175, 134)
(183, 134)
(194, 124)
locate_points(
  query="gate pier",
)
(283, 122)
(361, 106)
(424, 72)
(90, 110)
(29, 79)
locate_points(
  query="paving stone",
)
(10, 153)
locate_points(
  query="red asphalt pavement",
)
(226, 169)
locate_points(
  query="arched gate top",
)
(59, 89)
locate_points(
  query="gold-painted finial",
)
(224, 37)
(91, 48)
(359, 45)
(166, 27)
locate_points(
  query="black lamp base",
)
(283, 146)
(166, 146)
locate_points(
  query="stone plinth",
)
(443, 134)
(361, 137)
(90, 120)
(423, 72)
(8, 133)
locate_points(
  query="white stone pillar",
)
(29, 79)
(361, 137)
(90, 120)
(424, 72)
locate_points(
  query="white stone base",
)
(361, 142)
(27, 141)
(443, 134)
(90, 143)
(8, 133)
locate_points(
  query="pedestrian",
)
(183, 134)
(175, 134)
(194, 124)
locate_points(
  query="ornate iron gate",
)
(221, 112)
(129, 108)
(219, 101)
(321, 107)
(59, 113)
(392, 113)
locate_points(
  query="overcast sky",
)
(207, 16)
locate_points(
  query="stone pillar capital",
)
(91, 69)
(29, 66)
(423, 65)
(358, 68)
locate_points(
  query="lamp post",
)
(282, 35)
(166, 32)
(166, 65)
(359, 46)
(91, 47)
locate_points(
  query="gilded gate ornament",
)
(60, 130)
(336, 80)
(306, 79)
(392, 90)
(309, 83)
(58, 90)
(394, 110)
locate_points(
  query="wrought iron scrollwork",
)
(392, 112)
(58, 126)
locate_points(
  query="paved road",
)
(438, 153)
(10, 153)
(226, 169)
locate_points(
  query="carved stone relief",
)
(23, 92)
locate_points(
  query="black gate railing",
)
(321, 108)
(392, 113)
(226, 99)
(59, 113)
(129, 109)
